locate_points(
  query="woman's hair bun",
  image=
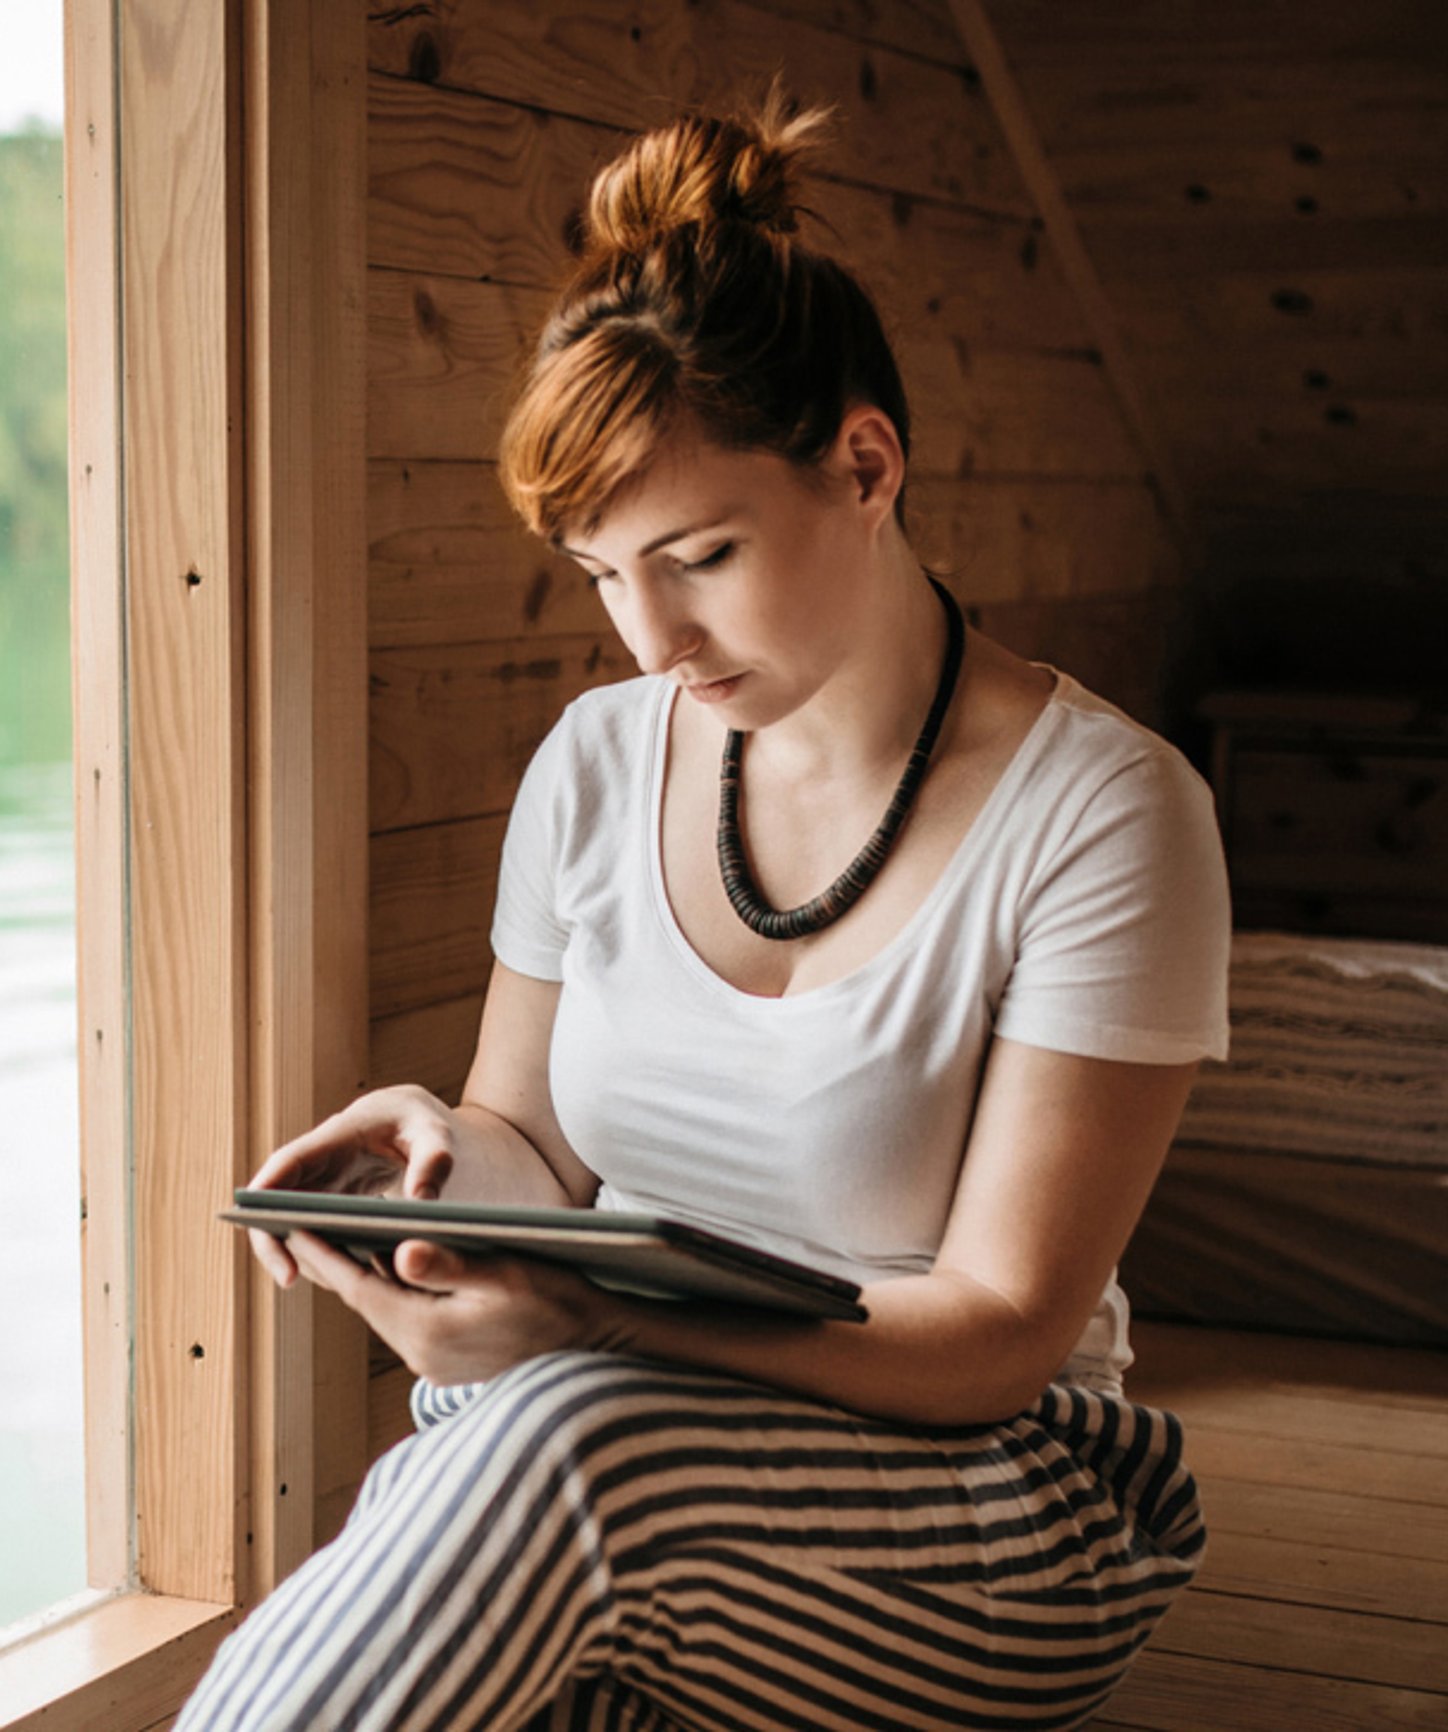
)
(705, 171)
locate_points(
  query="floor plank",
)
(1167, 1692)
(1288, 1377)
(1317, 1465)
(1274, 1568)
(1381, 1527)
(1354, 1645)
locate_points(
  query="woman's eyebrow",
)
(664, 539)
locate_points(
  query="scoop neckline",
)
(708, 976)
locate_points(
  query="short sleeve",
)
(1124, 942)
(527, 934)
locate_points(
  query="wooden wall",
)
(1262, 187)
(484, 122)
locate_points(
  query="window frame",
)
(215, 189)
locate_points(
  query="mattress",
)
(1307, 1187)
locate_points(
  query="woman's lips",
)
(715, 691)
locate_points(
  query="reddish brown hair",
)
(694, 306)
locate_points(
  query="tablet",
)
(648, 1255)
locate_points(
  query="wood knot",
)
(537, 595)
(424, 62)
(429, 319)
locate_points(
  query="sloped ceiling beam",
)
(1004, 93)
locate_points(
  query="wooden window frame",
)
(215, 185)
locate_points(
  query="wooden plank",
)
(1166, 250)
(453, 728)
(1175, 1693)
(913, 26)
(441, 359)
(442, 363)
(98, 700)
(1254, 450)
(992, 282)
(463, 185)
(1214, 182)
(1388, 1427)
(1224, 36)
(1316, 1464)
(1307, 820)
(433, 1046)
(1276, 367)
(1041, 538)
(389, 1419)
(339, 1032)
(1024, 141)
(339, 1396)
(121, 1666)
(1380, 1526)
(1195, 98)
(1118, 646)
(1391, 550)
(1347, 312)
(432, 907)
(908, 124)
(280, 776)
(1284, 1380)
(1326, 1575)
(185, 565)
(1329, 1643)
(449, 562)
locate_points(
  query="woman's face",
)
(727, 572)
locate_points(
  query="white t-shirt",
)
(1086, 910)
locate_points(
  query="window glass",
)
(42, 1508)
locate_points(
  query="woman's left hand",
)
(454, 1319)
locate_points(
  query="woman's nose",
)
(659, 632)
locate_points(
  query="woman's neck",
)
(864, 721)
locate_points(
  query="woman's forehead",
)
(688, 486)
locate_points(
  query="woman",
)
(948, 1068)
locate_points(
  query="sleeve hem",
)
(529, 959)
(1103, 1040)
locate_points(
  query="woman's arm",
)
(1063, 1152)
(520, 1154)
(500, 1144)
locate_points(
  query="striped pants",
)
(593, 1542)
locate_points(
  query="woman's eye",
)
(717, 557)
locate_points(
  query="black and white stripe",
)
(594, 1542)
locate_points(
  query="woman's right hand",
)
(400, 1141)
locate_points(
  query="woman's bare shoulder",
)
(1003, 695)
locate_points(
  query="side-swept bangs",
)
(591, 422)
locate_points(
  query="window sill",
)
(127, 1664)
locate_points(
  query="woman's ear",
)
(868, 456)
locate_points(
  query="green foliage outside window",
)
(34, 537)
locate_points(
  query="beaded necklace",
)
(824, 909)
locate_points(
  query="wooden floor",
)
(1322, 1605)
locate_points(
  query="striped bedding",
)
(1307, 1187)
